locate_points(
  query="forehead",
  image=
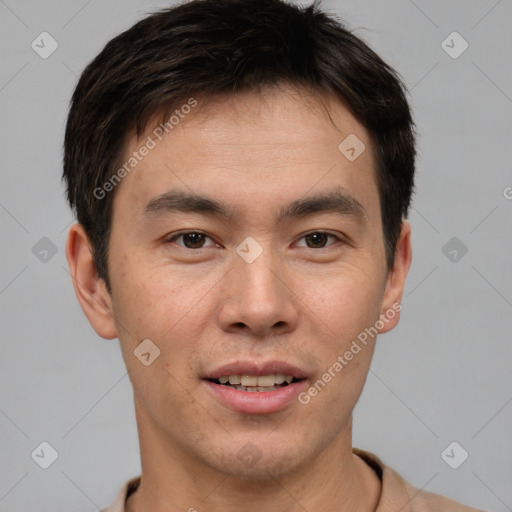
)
(267, 145)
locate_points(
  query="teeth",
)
(265, 381)
(279, 378)
(234, 379)
(249, 380)
(254, 389)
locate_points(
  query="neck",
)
(335, 480)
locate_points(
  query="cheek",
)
(163, 309)
(346, 301)
(343, 360)
(148, 300)
(340, 313)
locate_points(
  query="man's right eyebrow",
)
(179, 201)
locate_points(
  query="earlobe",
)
(90, 290)
(395, 283)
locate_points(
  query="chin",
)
(259, 460)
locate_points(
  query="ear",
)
(391, 304)
(90, 290)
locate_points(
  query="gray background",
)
(443, 375)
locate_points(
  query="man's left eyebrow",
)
(336, 201)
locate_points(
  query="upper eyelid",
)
(188, 232)
(329, 233)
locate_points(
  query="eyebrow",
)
(335, 201)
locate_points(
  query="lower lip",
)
(256, 402)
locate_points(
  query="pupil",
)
(194, 238)
(317, 239)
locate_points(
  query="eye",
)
(191, 239)
(318, 239)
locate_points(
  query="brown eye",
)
(318, 239)
(191, 240)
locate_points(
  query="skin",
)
(207, 307)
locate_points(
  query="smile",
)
(252, 387)
(255, 383)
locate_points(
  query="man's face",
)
(247, 293)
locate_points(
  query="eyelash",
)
(183, 233)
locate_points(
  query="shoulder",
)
(397, 494)
(118, 505)
(422, 501)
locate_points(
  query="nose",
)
(258, 298)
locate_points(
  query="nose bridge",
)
(259, 299)
(260, 279)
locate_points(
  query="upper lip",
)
(256, 368)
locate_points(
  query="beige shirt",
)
(396, 494)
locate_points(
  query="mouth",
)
(256, 383)
(253, 388)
